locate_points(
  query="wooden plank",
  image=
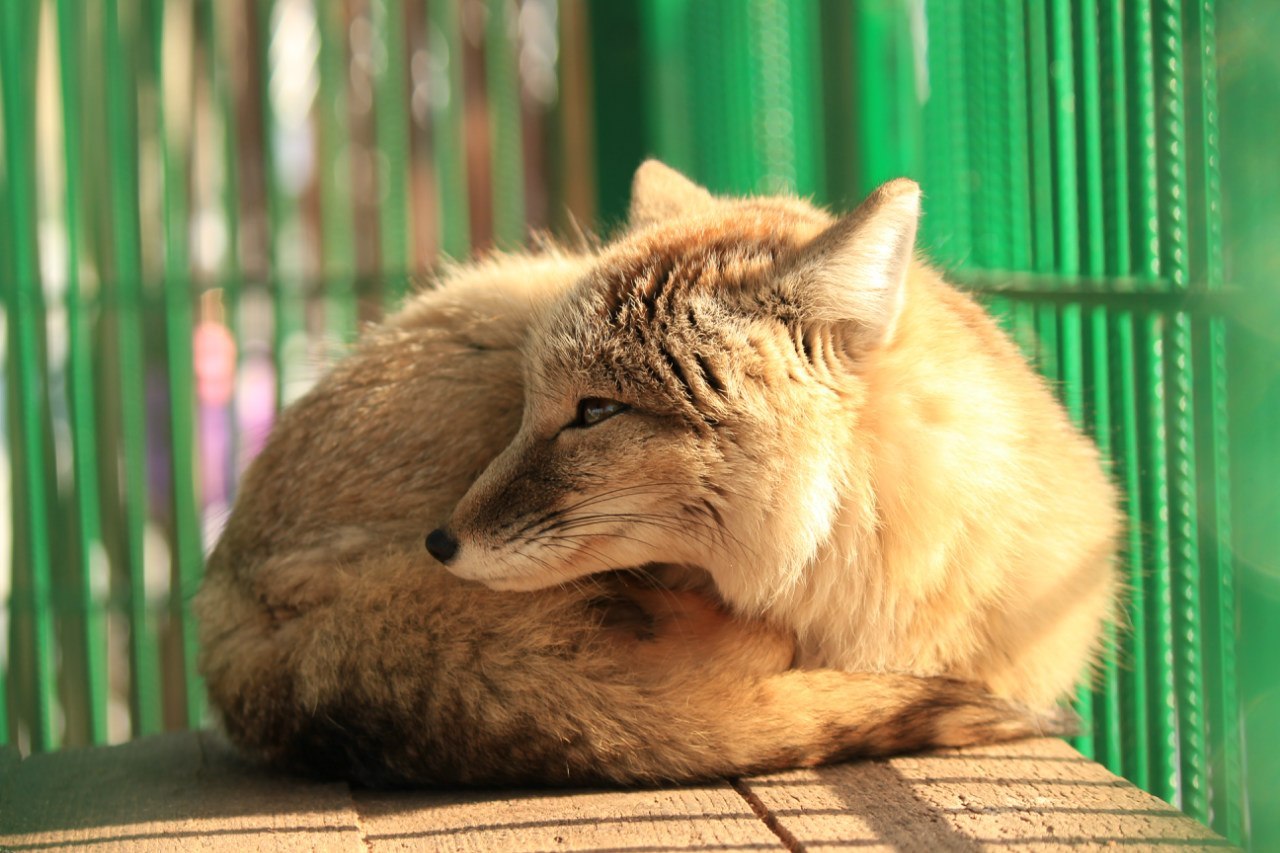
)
(189, 791)
(1039, 794)
(710, 817)
(176, 791)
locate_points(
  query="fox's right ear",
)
(659, 192)
(853, 273)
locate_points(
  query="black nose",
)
(441, 545)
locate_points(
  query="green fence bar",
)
(1250, 208)
(1219, 605)
(1019, 240)
(709, 109)
(1063, 101)
(1106, 695)
(1155, 516)
(392, 132)
(448, 136)
(885, 95)
(121, 117)
(669, 44)
(284, 281)
(337, 228)
(1131, 642)
(1135, 554)
(505, 125)
(1183, 510)
(768, 101)
(995, 143)
(92, 572)
(1218, 589)
(213, 19)
(25, 312)
(178, 28)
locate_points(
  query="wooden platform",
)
(189, 791)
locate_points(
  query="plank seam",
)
(768, 818)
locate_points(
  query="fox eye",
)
(593, 410)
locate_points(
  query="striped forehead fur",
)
(652, 287)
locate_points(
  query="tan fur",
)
(332, 643)
(849, 446)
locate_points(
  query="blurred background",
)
(201, 202)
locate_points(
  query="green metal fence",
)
(200, 199)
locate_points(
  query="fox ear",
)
(854, 271)
(659, 192)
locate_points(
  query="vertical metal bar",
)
(121, 109)
(937, 224)
(619, 121)
(1107, 732)
(214, 17)
(1066, 212)
(1154, 444)
(25, 310)
(392, 134)
(1129, 732)
(886, 94)
(1138, 738)
(93, 572)
(776, 126)
(1248, 31)
(995, 217)
(949, 37)
(804, 57)
(1044, 260)
(1019, 243)
(1219, 607)
(8, 299)
(706, 104)
(668, 89)
(735, 78)
(1132, 640)
(338, 254)
(1182, 464)
(1039, 124)
(1220, 604)
(447, 132)
(1066, 215)
(178, 328)
(505, 125)
(964, 37)
(1154, 450)
(1043, 243)
(281, 280)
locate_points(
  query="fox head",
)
(694, 398)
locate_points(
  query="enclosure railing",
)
(203, 200)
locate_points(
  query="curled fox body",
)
(332, 643)
(848, 446)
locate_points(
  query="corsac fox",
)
(332, 644)
(848, 446)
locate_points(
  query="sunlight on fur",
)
(851, 520)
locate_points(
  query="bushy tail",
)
(804, 718)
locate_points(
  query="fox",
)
(803, 409)
(332, 645)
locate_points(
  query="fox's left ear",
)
(854, 271)
(659, 192)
